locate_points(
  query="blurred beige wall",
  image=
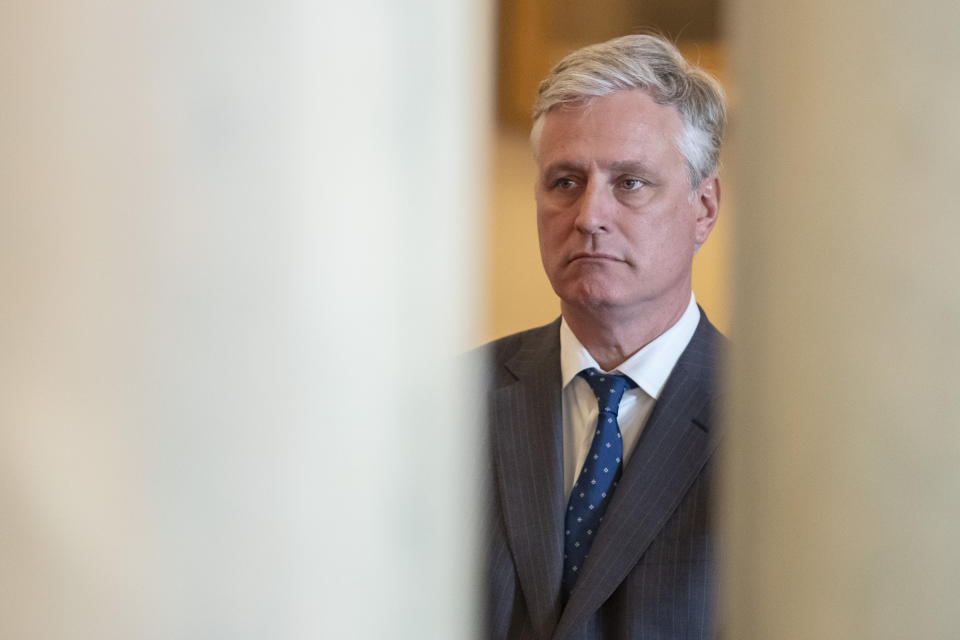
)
(535, 34)
(841, 492)
(220, 226)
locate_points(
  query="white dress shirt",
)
(649, 368)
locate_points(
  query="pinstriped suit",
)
(650, 569)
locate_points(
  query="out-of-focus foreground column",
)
(234, 262)
(841, 501)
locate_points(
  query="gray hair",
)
(654, 65)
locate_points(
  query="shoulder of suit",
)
(708, 337)
(503, 348)
(491, 358)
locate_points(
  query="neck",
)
(611, 336)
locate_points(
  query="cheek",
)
(680, 227)
(662, 240)
(550, 226)
(547, 243)
(541, 232)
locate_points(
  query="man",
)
(601, 426)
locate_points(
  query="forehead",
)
(626, 125)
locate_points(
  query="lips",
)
(591, 257)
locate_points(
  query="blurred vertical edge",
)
(238, 251)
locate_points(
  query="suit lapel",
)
(527, 447)
(675, 445)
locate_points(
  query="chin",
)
(590, 297)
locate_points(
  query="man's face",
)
(618, 221)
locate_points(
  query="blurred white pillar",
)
(236, 250)
(841, 501)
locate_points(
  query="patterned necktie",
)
(596, 482)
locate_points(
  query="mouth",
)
(585, 256)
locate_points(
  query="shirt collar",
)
(650, 367)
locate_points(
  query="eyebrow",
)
(620, 166)
(629, 166)
(562, 166)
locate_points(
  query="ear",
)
(707, 205)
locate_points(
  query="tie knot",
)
(608, 388)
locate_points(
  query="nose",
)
(596, 206)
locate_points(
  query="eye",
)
(565, 184)
(631, 184)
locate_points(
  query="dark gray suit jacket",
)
(650, 572)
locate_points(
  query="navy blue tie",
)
(598, 478)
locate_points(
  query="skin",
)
(618, 221)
